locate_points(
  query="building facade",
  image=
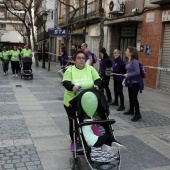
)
(50, 7)
(11, 29)
(145, 25)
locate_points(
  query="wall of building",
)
(151, 34)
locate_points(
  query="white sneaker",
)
(16, 75)
(13, 75)
(4, 73)
(119, 146)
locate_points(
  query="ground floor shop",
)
(151, 35)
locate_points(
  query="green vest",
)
(26, 53)
(5, 55)
(1, 55)
(84, 77)
(15, 55)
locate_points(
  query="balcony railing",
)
(92, 12)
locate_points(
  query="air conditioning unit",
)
(117, 6)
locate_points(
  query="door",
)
(164, 77)
(127, 38)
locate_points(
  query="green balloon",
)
(89, 103)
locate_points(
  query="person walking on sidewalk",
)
(15, 61)
(75, 76)
(118, 68)
(134, 82)
(104, 63)
(5, 62)
(89, 61)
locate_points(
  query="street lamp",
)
(44, 18)
(29, 34)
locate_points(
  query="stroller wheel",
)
(78, 163)
(72, 163)
(31, 76)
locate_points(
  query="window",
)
(3, 26)
(52, 15)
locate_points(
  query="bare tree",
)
(70, 18)
(26, 7)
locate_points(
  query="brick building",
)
(144, 24)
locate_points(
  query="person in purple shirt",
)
(73, 50)
(118, 68)
(104, 63)
(134, 82)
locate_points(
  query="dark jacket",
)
(133, 74)
(118, 67)
(64, 59)
(104, 63)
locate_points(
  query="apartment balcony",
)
(93, 13)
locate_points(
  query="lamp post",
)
(29, 34)
(84, 27)
(44, 17)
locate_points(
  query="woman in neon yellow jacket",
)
(5, 54)
(15, 60)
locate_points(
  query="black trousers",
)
(71, 113)
(5, 65)
(105, 139)
(133, 98)
(15, 66)
(105, 84)
(118, 91)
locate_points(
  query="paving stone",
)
(54, 107)
(13, 129)
(142, 157)
(48, 96)
(8, 166)
(165, 137)
(6, 90)
(41, 89)
(62, 123)
(7, 98)
(149, 119)
(4, 83)
(38, 82)
(21, 160)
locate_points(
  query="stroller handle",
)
(100, 122)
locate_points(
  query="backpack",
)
(94, 58)
(142, 70)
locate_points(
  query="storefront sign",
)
(166, 16)
(57, 31)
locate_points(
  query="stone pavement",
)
(34, 126)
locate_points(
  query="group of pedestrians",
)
(129, 73)
(85, 75)
(14, 56)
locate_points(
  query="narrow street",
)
(34, 127)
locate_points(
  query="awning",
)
(127, 19)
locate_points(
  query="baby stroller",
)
(105, 122)
(26, 71)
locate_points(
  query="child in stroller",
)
(94, 145)
(26, 70)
